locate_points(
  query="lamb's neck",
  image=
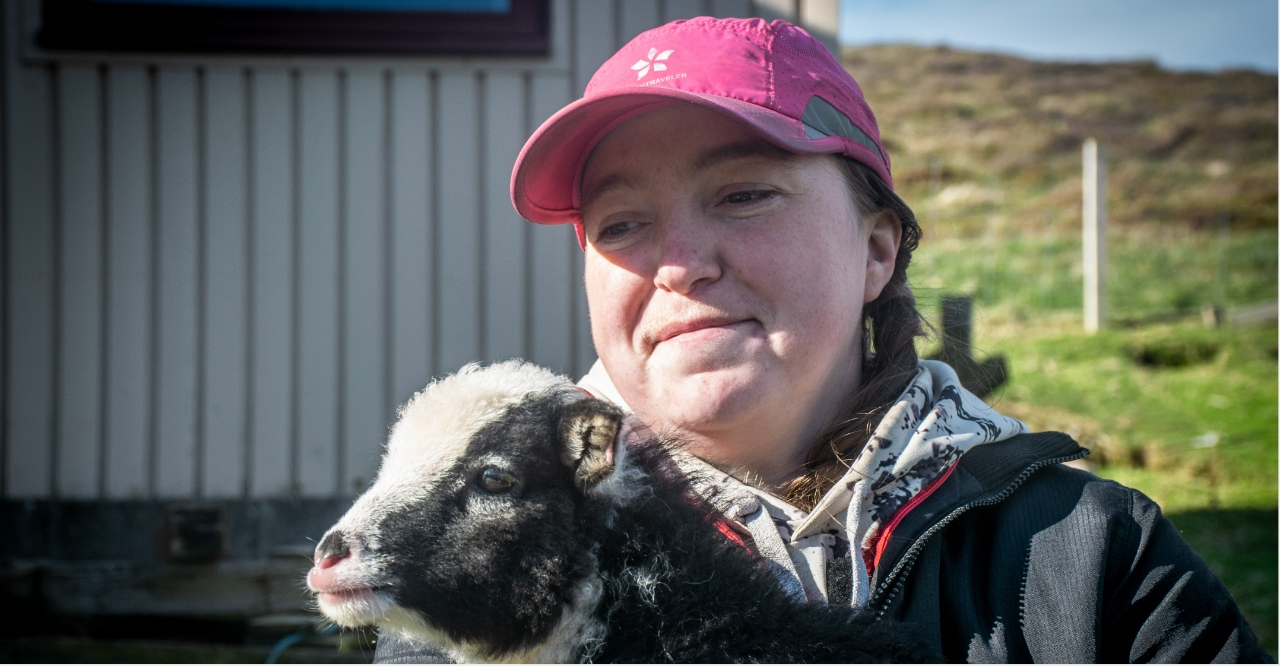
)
(579, 632)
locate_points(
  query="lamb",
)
(514, 519)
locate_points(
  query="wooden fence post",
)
(981, 377)
(1095, 236)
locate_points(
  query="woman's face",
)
(725, 279)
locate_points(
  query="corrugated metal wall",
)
(221, 274)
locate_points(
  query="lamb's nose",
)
(332, 549)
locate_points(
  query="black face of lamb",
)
(495, 568)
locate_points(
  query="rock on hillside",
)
(979, 139)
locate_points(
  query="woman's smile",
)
(694, 326)
(705, 346)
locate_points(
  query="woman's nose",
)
(689, 257)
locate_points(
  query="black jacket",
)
(1016, 558)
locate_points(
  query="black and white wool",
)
(508, 524)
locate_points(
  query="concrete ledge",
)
(139, 531)
(226, 589)
(119, 558)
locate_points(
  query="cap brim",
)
(546, 178)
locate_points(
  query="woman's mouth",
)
(695, 327)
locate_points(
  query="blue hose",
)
(284, 643)
(295, 638)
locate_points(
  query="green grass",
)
(1240, 547)
(1186, 414)
(1152, 272)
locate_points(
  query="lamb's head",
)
(472, 534)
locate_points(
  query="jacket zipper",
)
(898, 575)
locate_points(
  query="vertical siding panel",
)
(317, 390)
(6, 75)
(584, 348)
(822, 19)
(553, 248)
(505, 232)
(594, 31)
(80, 284)
(364, 399)
(731, 8)
(272, 288)
(29, 319)
(682, 9)
(177, 302)
(129, 282)
(459, 288)
(552, 294)
(411, 246)
(225, 265)
(637, 16)
(776, 9)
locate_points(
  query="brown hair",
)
(890, 325)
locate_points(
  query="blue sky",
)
(1179, 34)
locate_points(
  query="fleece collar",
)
(928, 428)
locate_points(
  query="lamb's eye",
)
(496, 481)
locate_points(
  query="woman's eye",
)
(747, 196)
(615, 230)
(496, 481)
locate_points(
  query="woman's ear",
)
(884, 235)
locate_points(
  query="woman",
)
(746, 267)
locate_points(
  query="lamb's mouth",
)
(355, 606)
(349, 594)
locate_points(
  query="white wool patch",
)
(438, 423)
(434, 429)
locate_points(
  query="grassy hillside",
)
(986, 148)
(978, 135)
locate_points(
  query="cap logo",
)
(654, 60)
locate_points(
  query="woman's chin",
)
(711, 399)
(724, 362)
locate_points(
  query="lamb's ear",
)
(588, 430)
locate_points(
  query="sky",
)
(1204, 35)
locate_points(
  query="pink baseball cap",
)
(774, 77)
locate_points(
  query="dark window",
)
(459, 27)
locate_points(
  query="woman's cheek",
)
(614, 299)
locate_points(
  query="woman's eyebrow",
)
(607, 184)
(711, 157)
(741, 150)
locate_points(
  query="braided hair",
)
(890, 325)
